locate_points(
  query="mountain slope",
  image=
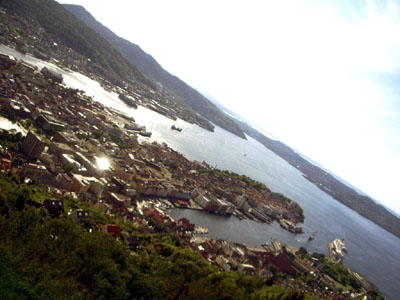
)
(69, 30)
(45, 26)
(362, 204)
(151, 68)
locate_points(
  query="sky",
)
(320, 75)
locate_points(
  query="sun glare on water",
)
(103, 163)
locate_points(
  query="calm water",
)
(372, 251)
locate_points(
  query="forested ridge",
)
(69, 30)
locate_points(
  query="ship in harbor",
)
(173, 127)
(312, 237)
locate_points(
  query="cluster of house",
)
(271, 259)
(85, 131)
(228, 196)
(94, 154)
(133, 92)
(166, 223)
(212, 203)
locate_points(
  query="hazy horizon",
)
(321, 76)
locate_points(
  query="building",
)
(36, 172)
(65, 139)
(18, 108)
(125, 173)
(97, 186)
(7, 61)
(128, 190)
(247, 268)
(46, 122)
(80, 216)
(91, 168)
(113, 229)
(185, 223)
(119, 200)
(222, 262)
(64, 181)
(239, 200)
(32, 146)
(53, 207)
(178, 194)
(79, 184)
(60, 149)
(202, 201)
(6, 164)
(52, 75)
(69, 160)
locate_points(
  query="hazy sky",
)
(322, 76)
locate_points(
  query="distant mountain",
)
(65, 28)
(45, 26)
(334, 186)
(150, 67)
(348, 196)
(221, 106)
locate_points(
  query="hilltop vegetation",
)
(65, 28)
(53, 258)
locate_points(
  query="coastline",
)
(155, 170)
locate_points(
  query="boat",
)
(201, 230)
(290, 226)
(173, 127)
(128, 100)
(312, 237)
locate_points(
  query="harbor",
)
(380, 264)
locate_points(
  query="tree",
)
(68, 167)
(273, 269)
(18, 160)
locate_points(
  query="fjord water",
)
(372, 251)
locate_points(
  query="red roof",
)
(113, 229)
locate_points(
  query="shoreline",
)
(136, 169)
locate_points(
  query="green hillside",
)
(72, 32)
(53, 258)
